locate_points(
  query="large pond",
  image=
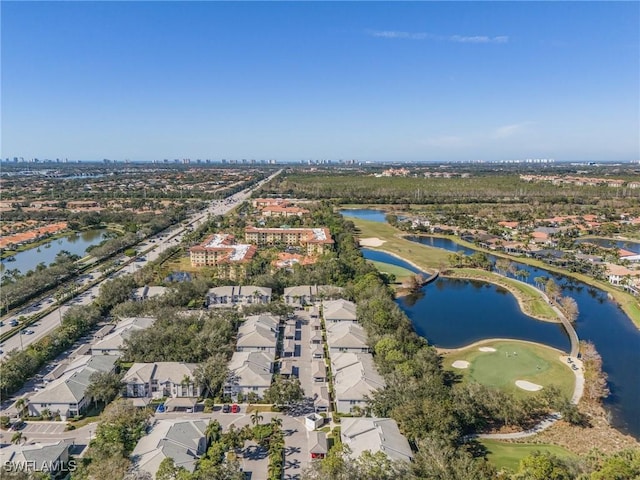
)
(365, 214)
(629, 245)
(76, 244)
(488, 311)
(445, 304)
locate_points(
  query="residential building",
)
(620, 275)
(221, 250)
(270, 202)
(66, 394)
(182, 440)
(354, 378)
(111, 344)
(314, 240)
(280, 211)
(346, 337)
(310, 294)
(250, 372)
(288, 260)
(362, 434)
(339, 311)
(147, 292)
(258, 333)
(318, 444)
(229, 296)
(160, 380)
(48, 458)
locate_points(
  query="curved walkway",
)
(573, 335)
(575, 346)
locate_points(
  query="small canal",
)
(453, 312)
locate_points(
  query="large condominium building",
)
(315, 240)
(221, 250)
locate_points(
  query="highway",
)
(149, 250)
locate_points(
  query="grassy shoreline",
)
(431, 258)
(428, 258)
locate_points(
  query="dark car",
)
(17, 425)
(235, 408)
(226, 408)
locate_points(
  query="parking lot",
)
(43, 428)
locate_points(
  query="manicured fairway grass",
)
(399, 272)
(506, 455)
(513, 361)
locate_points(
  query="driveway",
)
(295, 437)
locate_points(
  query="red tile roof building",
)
(315, 240)
(221, 250)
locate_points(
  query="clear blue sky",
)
(374, 81)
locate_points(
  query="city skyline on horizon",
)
(377, 82)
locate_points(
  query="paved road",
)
(157, 244)
(295, 434)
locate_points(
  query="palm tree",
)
(256, 418)
(213, 432)
(21, 405)
(276, 422)
(18, 438)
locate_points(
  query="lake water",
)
(605, 242)
(488, 311)
(365, 214)
(453, 313)
(76, 244)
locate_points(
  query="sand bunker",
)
(487, 349)
(530, 387)
(371, 242)
(460, 364)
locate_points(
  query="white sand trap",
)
(487, 349)
(371, 242)
(460, 364)
(528, 386)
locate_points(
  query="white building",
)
(340, 310)
(258, 333)
(355, 378)
(112, 343)
(346, 337)
(310, 294)
(362, 434)
(250, 372)
(160, 380)
(182, 440)
(230, 296)
(66, 394)
(37, 457)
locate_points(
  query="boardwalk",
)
(573, 335)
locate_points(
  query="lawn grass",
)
(513, 360)
(530, 299)
(505, 455)
(424, 257)
(399, 272)
(431, 258)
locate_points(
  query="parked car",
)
(17, 425)
(235, 408)
(226, 408)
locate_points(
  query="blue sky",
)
(381, 81)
